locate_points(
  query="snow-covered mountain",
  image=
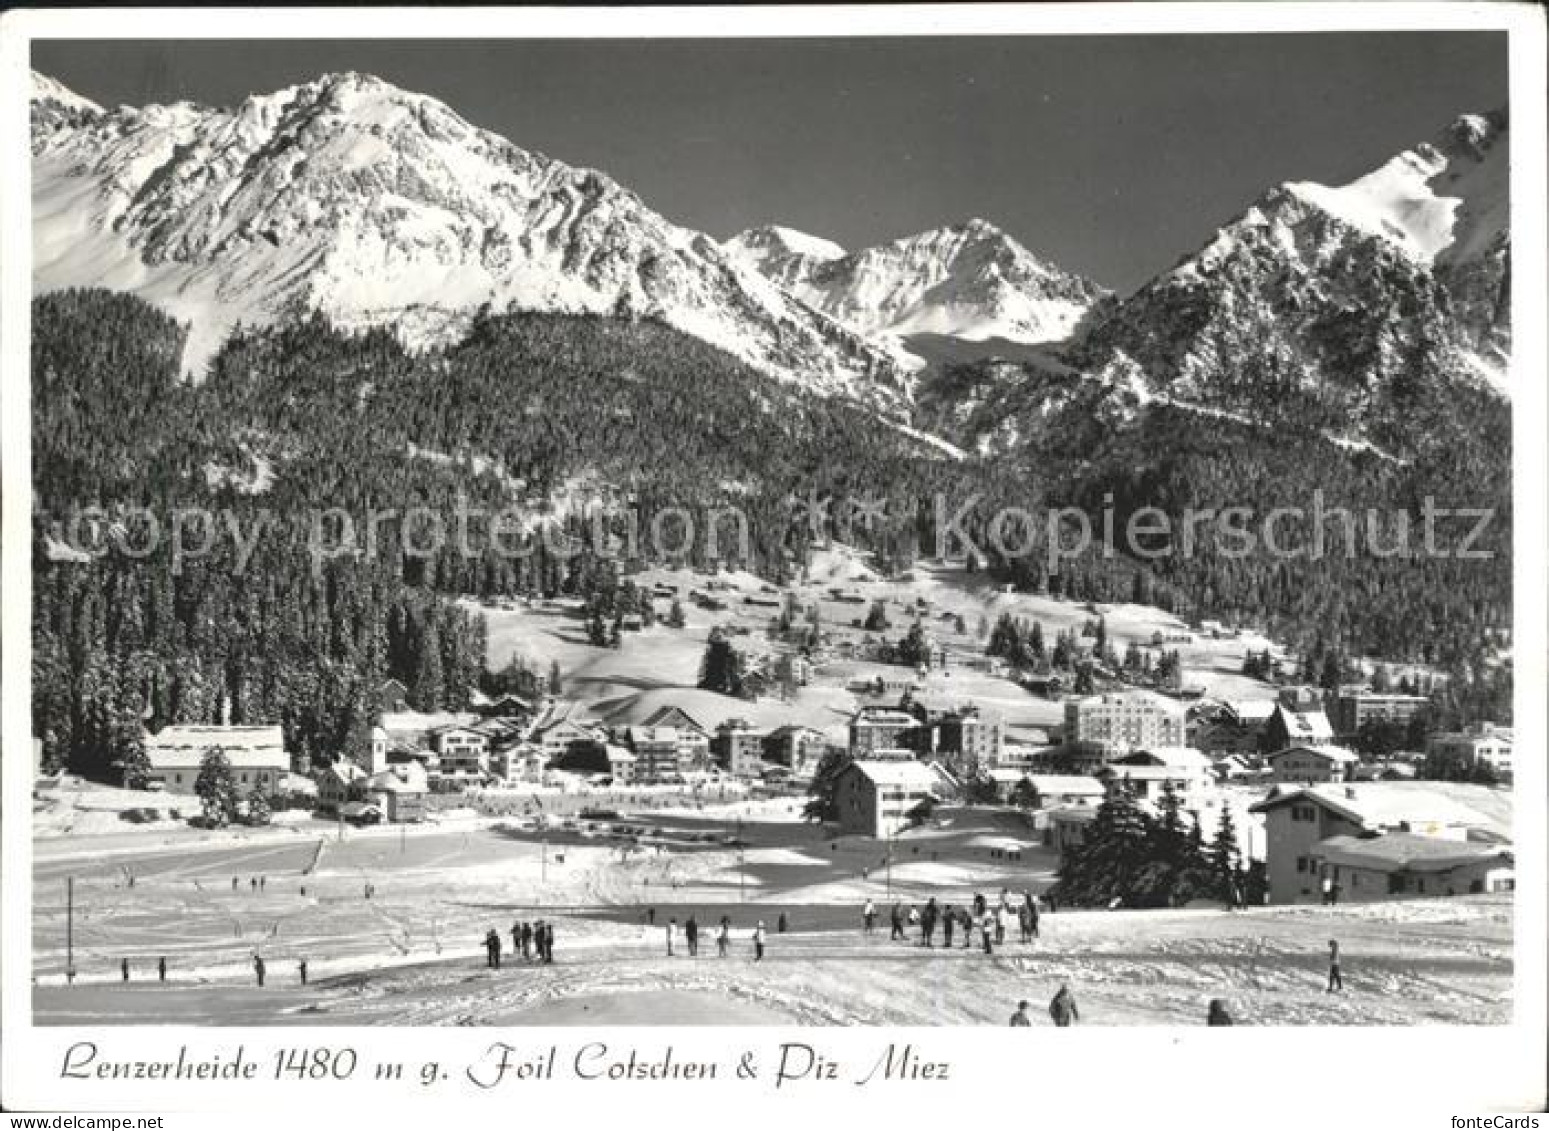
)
(1343, 307)
(970, 281)
(375, 206)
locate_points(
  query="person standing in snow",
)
(1063, 1008)
(123, 966)
(301, 968)
(928, 923)
(1020, 1019)
(948, 921)
(1218, 1013)
(691, 936)
(516, 939)
(869, 917)
(1336, 980)
(258, 969)
(672, 929)
(987, 928)
(526, 942)
(758, 942)
(723, 937)
(161, 969)
(548, 943)
(898, 923)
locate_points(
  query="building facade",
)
(878, 799)
(256, 753)
(1310, 765)
(1118, 722)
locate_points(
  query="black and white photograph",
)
(818, 530)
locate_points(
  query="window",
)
(1301, 864)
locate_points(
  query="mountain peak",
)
(1441, 199)
(759, 245)
(352, 198)
(47, 89)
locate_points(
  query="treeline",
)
(597, 429)
(252, 630)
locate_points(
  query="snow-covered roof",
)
(245, 747)
(1311, 725)
(1175, 757)
(345, 771)
(1252, 710)
(895, 773)
(675, 716)
(417, 722)
(407, 778)
(1393, 852)
(1135, 696)
(1066, 783)
(1380, 805)
(1331, 753)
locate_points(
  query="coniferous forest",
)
(598, 426)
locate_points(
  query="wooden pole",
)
(70, 929)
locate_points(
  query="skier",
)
(548, 943)
(869, 916)
(1336, 981)
(898, 923)
(1001, 915)
(948, 921)
(723, 937)
(161, 969)
(301, 968)
(672, 929)
(526, 942)
(691, 936)
(987, 928)
(1063, 1008)
(258, 969)
(1020, 1019)
(928, 923)
(123, 966)
(1218, 1014)
(967, 919)
(758, 942)
(516, 938)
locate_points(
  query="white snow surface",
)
(1441, 200)
(375, 206)
(970, 281)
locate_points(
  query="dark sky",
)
(1111, 155)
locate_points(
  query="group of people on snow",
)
(531, 940)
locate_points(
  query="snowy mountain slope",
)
(1355, 314)
(1337, 307)
(371, 205)
(970, 281)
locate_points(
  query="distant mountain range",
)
(970, 281)
(353, 199)
(374, 206)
